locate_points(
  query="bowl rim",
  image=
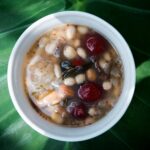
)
(15, 100)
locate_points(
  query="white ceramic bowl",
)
(20, 100)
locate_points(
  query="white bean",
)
(81, 52)
(57, 70)
(107, 85)
(92, 111)
(82, 29)
(91, 74)
(70, 32)
(43, 41)
(107, 56)
(69, 52)
(69, 81)
(56, 117)
(103, 64)
(50, 47)
(80, 78)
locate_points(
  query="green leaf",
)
(143, 71)
(143, 80)
(131, 18)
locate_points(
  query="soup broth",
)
(73, 75)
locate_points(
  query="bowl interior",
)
(15, 74)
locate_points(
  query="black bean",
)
(66, 64)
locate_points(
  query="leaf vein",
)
(119, 138)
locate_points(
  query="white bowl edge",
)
(108, 123)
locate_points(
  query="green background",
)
(132, 19)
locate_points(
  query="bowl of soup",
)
(71, 76)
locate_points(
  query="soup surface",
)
(73, 75)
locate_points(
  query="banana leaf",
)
(132, 19)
